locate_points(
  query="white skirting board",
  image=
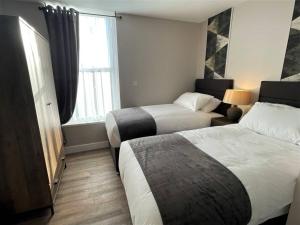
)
(86, 147)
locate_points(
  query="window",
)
(98, 85)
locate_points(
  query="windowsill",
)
(73, 124)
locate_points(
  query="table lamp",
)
(236, 97)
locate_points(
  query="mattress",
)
(267, 167)
(169, 118)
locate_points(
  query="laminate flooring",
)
(90, 193)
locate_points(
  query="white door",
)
(54, 121)
(34, 44)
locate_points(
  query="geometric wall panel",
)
(291, 66)
(217, 44)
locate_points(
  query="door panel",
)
(34, 46)
(53, 107)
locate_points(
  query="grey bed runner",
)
(189, 186)
(134, 123)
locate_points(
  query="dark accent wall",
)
(291, 66)
(217, 43)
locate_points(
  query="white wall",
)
(1, 7)
(165, 57)
(85, 136)
(259, 35)
(161, 55)
(28, 11)
(158, 59)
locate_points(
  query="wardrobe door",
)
(54, 120)
(31, 41)
(24, 184)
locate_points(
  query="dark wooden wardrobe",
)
(31, 146)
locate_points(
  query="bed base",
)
(281, 220)
(115, 156)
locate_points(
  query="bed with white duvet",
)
(262, 151)
(190, 110)
(257, 160)
(168, 118)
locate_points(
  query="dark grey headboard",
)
(281, 92)
(216, 88)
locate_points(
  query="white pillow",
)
(211, 105)
(193, 101)
(274, 120)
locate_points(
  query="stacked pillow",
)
(211, 105)
(198, 101)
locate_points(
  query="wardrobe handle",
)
(56, 181)
(49, 103)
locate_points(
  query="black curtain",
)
(63, 30)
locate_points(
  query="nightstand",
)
(220, 121)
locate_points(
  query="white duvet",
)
(267, 167)
(169, 118)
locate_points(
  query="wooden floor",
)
(90, 193)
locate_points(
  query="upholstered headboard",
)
(216, 88)
(281, 92)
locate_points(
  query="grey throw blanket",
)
(134, 123)
(189, 186)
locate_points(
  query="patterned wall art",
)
(291, 66)
(217, 43)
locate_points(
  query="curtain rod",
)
(91, 14)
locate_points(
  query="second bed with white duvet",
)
(169, 118)
(257, 160)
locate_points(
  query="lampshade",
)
(237, 97)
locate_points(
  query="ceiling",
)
(183, 10)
